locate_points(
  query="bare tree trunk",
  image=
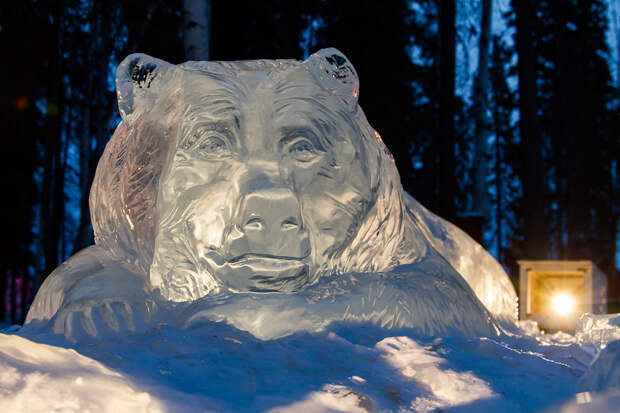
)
(82, 239)
(13, 297)
(568, 159)
(615, 4)
(481, 91)
(533, 177)
(24, 294)
(499, 182)
(50, 215)
(196, 29)
(85, 145)
(446, 139)
(3, 289)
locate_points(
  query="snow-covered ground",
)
(215, 367)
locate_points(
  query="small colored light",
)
(563, 304)
(21, 103)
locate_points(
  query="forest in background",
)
(503, 115)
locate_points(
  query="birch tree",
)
(196, 29)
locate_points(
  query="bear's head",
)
(251, 176)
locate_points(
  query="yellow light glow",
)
(563, 304)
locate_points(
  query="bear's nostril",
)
(255, 223)
(289, 223)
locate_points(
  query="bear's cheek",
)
(328, 222)
(209, 220)
(199, 196)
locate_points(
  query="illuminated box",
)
(556, 293)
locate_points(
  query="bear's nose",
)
(270, 224)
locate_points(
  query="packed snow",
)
(347, 367)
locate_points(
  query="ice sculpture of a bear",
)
(256, 193)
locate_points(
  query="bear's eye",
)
(303, 150)
(213, 146)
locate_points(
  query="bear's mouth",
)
(259, 272)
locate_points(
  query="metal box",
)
(556, 293)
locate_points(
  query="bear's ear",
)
(336, 74)
(139, 79)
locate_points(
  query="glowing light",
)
(563, 304)
(21, 103)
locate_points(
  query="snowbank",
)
(37, 377)
(348, 367)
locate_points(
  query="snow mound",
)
(41, 378)
(350, 367)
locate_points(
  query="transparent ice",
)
(597, 330)
(256, 193)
